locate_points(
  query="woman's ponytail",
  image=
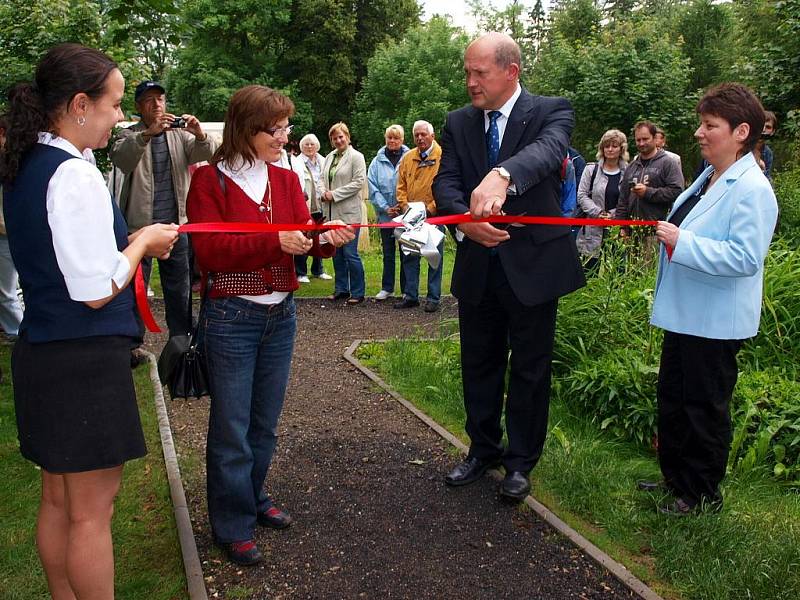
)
(26, 118)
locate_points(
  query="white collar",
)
(253, 179)
(48, 139)
(505, 110)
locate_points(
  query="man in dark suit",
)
(503, 154)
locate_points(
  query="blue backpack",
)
(569, 188)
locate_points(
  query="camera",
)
(178, 123)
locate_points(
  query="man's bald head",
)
(506, 50)
(492, 66)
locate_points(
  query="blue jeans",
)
(10, 307)
(411, 273)
(389, 247)
(248, 349)
(349, 270)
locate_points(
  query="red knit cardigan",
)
(247, 263)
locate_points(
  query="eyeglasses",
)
(275, 131)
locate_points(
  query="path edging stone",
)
(617, 569)
(195, 583)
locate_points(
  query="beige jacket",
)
(350, 176)
(130, 152)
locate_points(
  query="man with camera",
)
(154, 155)
(651, 183)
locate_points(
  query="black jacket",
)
(540, 262)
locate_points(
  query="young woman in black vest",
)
(73, 391)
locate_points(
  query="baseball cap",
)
(145, 86)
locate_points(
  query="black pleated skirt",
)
(76, 403)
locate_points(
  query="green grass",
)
(146, 548)
(587, 476)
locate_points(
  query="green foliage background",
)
(372, 63)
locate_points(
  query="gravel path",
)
(363, 479)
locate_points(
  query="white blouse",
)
(81, 221)
(253, 181)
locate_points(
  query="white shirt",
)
(81, 221)
(505, 113)
(253, 181)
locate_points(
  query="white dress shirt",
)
(81, 221)
(505, 113)
(253, 181)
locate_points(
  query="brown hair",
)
(251, 110)
(63, 72)
(770, 116)
(735, 103)
(649, 125)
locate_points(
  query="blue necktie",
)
(493, 138)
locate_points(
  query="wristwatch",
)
(503, 172)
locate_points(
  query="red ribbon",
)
(141, 301)
(226, 227)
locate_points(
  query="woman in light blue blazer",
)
(708, 296)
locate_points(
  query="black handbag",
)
(182, 365)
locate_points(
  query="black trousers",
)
(499, 323)
(695, 384)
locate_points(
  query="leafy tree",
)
(316, 50)
(770, 62)
(575, 20)
(28, 28)
(151, 31)
(233, 44)
(706, 29)
(420, 77)
(628, 72)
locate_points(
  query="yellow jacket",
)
(414, 182)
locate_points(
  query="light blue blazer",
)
(712, 287)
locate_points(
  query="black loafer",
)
(651, 486)
(431, 307)
(515, 486)
(406, 303)
(244, 553)
(275, 518)
(469, 471)
(339, 296)
(681, 508)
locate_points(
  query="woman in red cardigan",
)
(247, 326)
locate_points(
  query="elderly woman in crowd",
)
(382, 178)
(248, 326)
(598, 191)
(312, 175)
(343, 175)
(74, 397)
(708, 296)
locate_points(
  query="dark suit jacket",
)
(540, 262)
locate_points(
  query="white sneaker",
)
(150, 292)
(382, 295)
(303, 279)
(325, 276)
